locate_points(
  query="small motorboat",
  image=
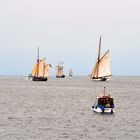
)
(104, 104)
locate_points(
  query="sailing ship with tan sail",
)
(102, 70)
(41, 69)
(60, 70)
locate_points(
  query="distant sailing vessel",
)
(41, 69)
(104, 104)
(60, 70)
(70, 72)
(102, 70)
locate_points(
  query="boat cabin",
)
(106, 101)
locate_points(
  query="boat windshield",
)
(105, 101)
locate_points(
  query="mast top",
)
(38, 52)
(99, 52)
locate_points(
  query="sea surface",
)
(61, 109)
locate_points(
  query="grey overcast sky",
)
(69, 30)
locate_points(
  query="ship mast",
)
(37, 61)
(99, 53)
(38, 54)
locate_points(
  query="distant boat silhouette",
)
(70, 72)
(60, 70)
(102, 70)
(41, 69)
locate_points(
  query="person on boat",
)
(107, 103)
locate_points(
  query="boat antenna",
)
(99, 52)
(104, 90)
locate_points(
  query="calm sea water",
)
(60, 109)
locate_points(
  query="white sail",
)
(70, 72)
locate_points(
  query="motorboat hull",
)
(103, 110)
(100, 79)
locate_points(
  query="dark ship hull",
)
(70, 75)
(63, 76)
(99, 79)
(39, 78)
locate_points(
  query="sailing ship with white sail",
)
(60, 70)
(70, 73)
(41, 69)
(102, 70)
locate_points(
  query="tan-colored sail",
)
(41, 69)
(46, 71)
(94, 71)
(60, 71)
(102, 68)
(34, 71)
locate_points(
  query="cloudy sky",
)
(69, 30)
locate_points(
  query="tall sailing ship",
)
(70, 72)
(41, 69)
(60, 70)
(102, 70)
